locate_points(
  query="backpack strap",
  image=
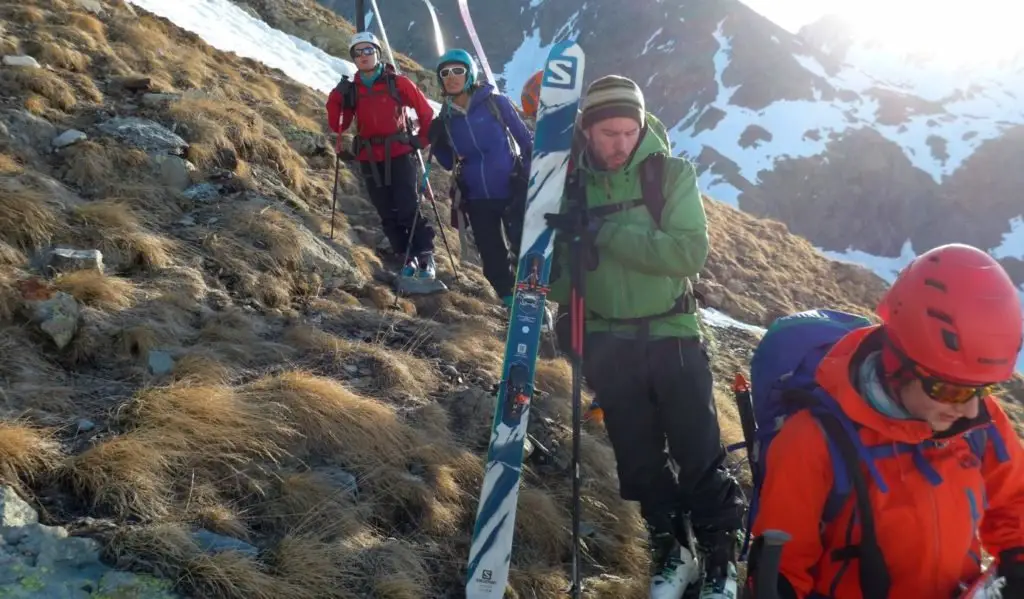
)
(652, 177)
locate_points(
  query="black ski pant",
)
(659, 393)
(397, 205)
(498, 228)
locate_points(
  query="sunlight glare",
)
(951, 33)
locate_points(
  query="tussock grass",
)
(96, 289)
(114, 228)
(391, 371)
(27, 221)
(41, 89)
(31, 382)
(27, 452)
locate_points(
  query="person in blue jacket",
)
(473, 136)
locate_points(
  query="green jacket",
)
(643, 268)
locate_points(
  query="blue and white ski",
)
(491, 551)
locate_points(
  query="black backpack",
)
(350, 95)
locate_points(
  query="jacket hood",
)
(653, 139)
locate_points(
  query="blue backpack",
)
(782, 373)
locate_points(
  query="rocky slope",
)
(200, 384)
(850, 150)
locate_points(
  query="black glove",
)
(1011, 567)
(575, 224)
(415, 142)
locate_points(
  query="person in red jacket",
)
(376, 98)
(916, 387)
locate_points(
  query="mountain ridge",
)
(783, 125)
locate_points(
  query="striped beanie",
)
(613, 96)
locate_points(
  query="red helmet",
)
(955, 312)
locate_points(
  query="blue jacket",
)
(481, 143)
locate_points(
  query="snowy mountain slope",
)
(869, 156)
(227, 27)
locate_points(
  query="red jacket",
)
(929, 535)
(379, 115)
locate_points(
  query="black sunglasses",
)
(367, 51)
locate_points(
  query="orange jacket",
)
(929, 535)
(379, 115)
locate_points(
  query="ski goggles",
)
(936, 387)
(948, 392)
(449, 71)
(366, 51)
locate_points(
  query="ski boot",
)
(410, 268)
(674, 568)
(720, 576)
(427, 267)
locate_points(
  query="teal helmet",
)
(460, 56)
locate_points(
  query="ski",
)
(491, 550)
(467, 20)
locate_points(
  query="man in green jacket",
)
(645, 358)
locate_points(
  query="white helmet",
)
(363, 37)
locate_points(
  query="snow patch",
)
(531, 55)
(647, 44)
(227, 27)
(722, 320)
(1013, 242)
(887, 268)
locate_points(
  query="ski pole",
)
(419, 155)
(337, 167)
(577, 318)
(768, 564)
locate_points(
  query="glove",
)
(416, 142)
(575, 224)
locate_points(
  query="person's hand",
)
(574, 224)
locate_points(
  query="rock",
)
(227, 158)
(151, 99)
(56, 313)
(338, 478)
(85, 425)
(212, 542)
(20, 61)
(69, 137)
(351, 368)
(144, 134)
(188, 220)
(28, 129)
(14, 511)
(92, 6)
(417, 286)
(175, 171)
(43, 562)
(133, 84)
(202, 192)
(159, 362)
(62, 260)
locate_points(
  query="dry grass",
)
(26, 452)
(113, 228)
(96, 289)
(41, 88)
(27, 221)
(391, 371)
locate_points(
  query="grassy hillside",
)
(209, 359)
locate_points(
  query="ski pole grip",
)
(768, 563)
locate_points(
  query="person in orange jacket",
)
(918, 390)
(376, 98)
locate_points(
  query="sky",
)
(978, 32)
